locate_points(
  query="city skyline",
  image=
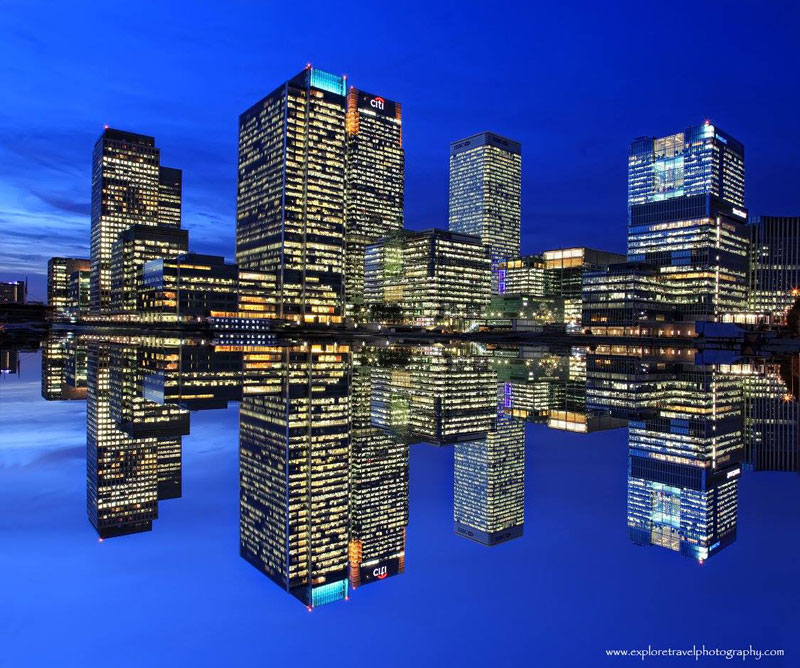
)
(566, 149)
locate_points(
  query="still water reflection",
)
(325, 428)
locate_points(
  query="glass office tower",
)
(375, 182)
(485, 193)
(700, 245)
(700, 160)
(294, 451)
(291, 194)
(128, 188)
(775, 265)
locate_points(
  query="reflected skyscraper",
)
(378, 489)
(141, 418)
(489, 481)
(121, 471)
(294, 452)
(684, 465)
(770, 418)
(63, 369)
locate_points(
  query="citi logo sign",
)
(379, 572)
(377, 103)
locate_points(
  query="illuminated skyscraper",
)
(375, 182)
(294, 450)
(485, 192)
(775, 265)
(291, 194)
(701, 160)
(170, 194)
(128, 188)
(59, 271)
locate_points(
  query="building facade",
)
(188, 285)
(553, 282)
(375, 182)
(485, 192)
(290, 219)
(13, 292)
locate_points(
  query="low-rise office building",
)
(191, 286)
(132, 249)
(430, 278)
(59, 277)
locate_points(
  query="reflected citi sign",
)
(379, 571)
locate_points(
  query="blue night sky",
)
(574, 82)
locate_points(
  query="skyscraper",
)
(700, 160)
(375, 182)
(128, 188)
(121, 471)
(378, 488)
(775, 265)
(485, 192)
(684, 465)
(686, 217)
(291, 194)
